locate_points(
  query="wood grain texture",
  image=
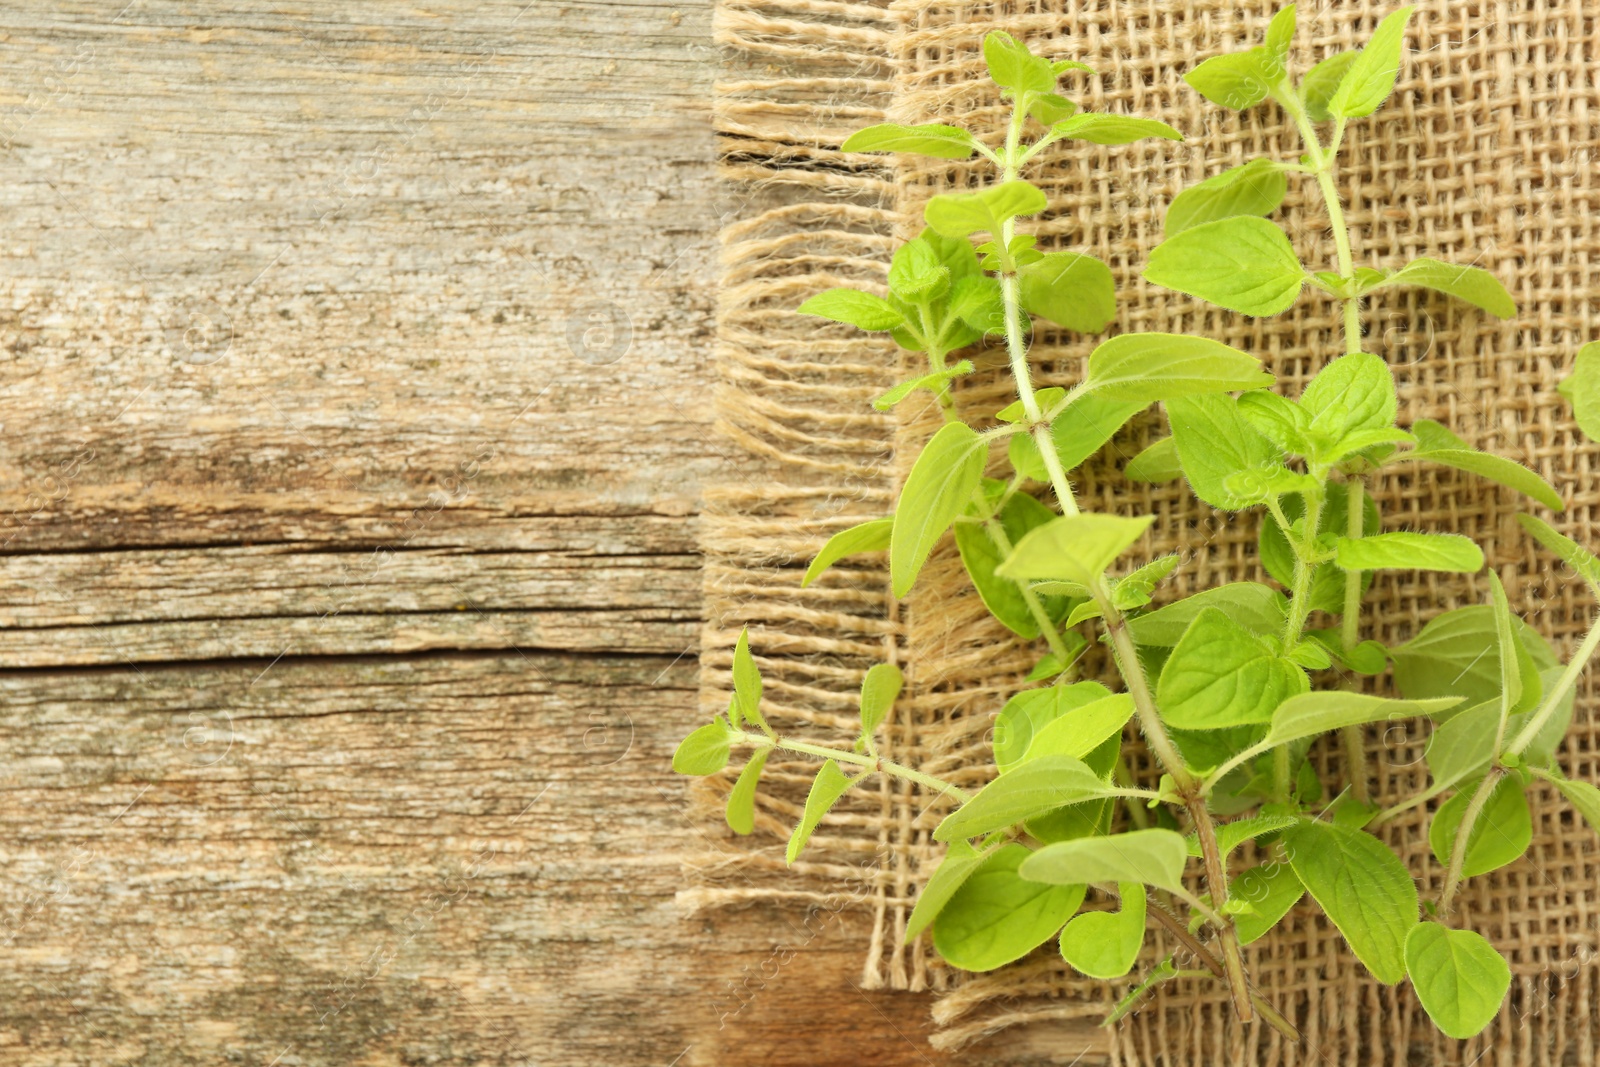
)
(353, 418)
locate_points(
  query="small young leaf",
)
(1243, 263)
(1464, 744)
(869, 536)
(1077, 548)
(1028, 713)
(1112, 129)
(1254, 188)
(1363, 888)
(1459, 978)
(1156, 464)
(1012, 66)
(1371, 77)
(1582, 389)
(915, 273)
(1496, 468)
(741, 811)
(1322, 81)
(930, 382)
(1566, 549)
(941, 142)
(1087, 424)
(705, 751)
(1238, 80)
(747, 682)
(1222, 675)
(959, 863)
(1473, 284)
(1258, 608)
(995, 917)
(1033, 788)
(1280, 34)
(1214, 442)
(1502, 833)
(853, 307)
(1409, 551)
(879, 689)
(1147, 367)
(830, 784)
(1134, 590)
(1584, 797)
(1050, 108)
(1271, 889)
(1071, 290)
(941, 484)
(960, 214)
(1310, 714)
(1105, 944)
(1050, 665)
(1150, 857)
(1083, 730)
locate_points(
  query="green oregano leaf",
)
(1070, 289)
(1280, 34)
(1363, 888)
(1230, 835)
(996, 917)
(1029, 712)
(1436, 444)
(1582, 389)
(741, 810)
(1351, 394)
(1148, 367)
(959, 863)
(1077, 548)
(1222, 675)
(930, 382)
(879, 690)
(1238, 80)
(1254, 188)
(1456, 654)
(1322, 81)
(830, 784)
(1134, 589)
(1583, 796)
(870, 536)
(747, 682)
(1047, 109)
(1271, 890)
(703, 752)
(1371, 77)
(1309, 714)
(915, 273)
(1080, 731)
(1215, 442)
(961, 214)
(1409, 551)
(855, 308)
(1112, 129)
(1566, 549)
(1502, 833)
(981, 556)
(1474, 285)
(1033, 788)
(1156, 464)
(1463, 744)
(1105, 944)
(941, 142)
(977, 302)
(1243, 263)
(1150, 857)
(941, 484)
(1087, 424)
(1459, 978)
(1013, 66)
(1258, 608)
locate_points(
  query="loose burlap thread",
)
(1483, 156)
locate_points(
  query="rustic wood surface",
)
(354, 396)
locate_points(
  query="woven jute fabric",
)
(1483, 156)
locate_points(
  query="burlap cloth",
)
(1484, 155)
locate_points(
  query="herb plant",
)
(1230, 687)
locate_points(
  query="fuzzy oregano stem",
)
(1355, 744)
(855, 759)
(1469, 821)
(1564, 684)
